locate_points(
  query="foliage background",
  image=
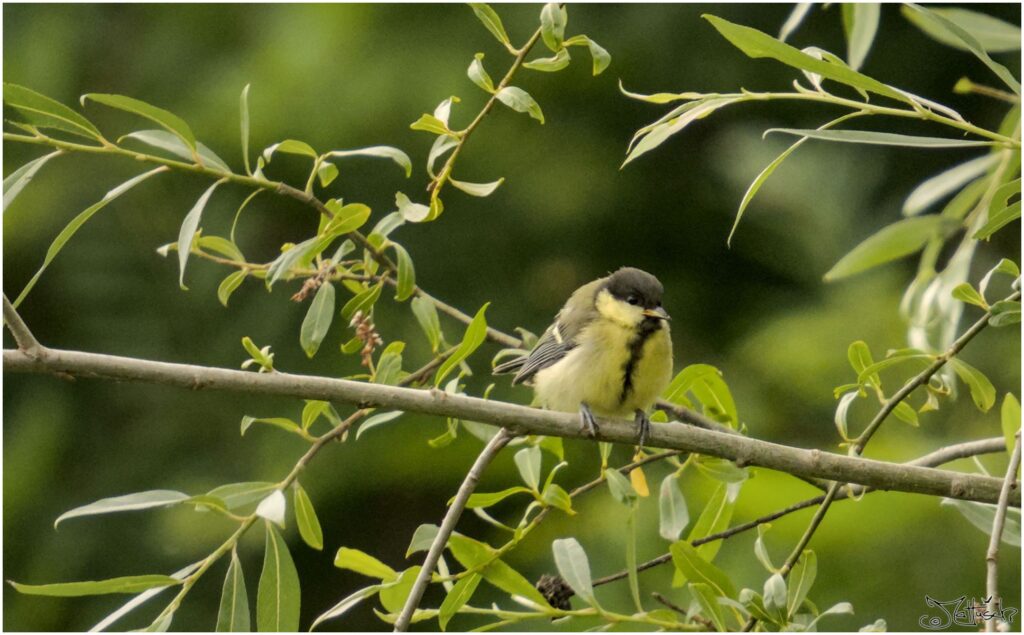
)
(345, 76)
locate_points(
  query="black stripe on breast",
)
(646, 329)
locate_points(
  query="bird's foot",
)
(643, 425)
(588, 423)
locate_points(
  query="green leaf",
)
(519, 100)
(173, 144)
(528, 460)
(476, 332)
(801, 579)
(346, 219)
(406, 284)
(128, 502)
(997, 221)
(412, 212)
(620, 487)
(982, 515)
(422, 538)
(552, 23)
(673, 514)
(127, 584)
(945, 183)
(478, 74)
(696, 569)
(796, 16)
(710, 608)
(574, 568)
(236, 495)
(222, 246)
(721, 469)
(511, 581)
(167, 120)
(362, 301)
(558, 498)
(860, 358)
(965, 292)
(345, 605)
(714, 518)
(229, 284)
(761, 549)
(860, 22)
(280, 422)
(905, 413)
(897, 240)
(775, 593)
(140, 599)
(491, 21)
(278, 596)
(377, 420)
(880, 138)
(355, 560)
(233, 615)
(384, 152)
(460, 594)
(933, 22)
(1010, 418)
(243, 108)
(305, 517)
(993, 34)
(326, 172)
(686, 114)
(289, 146)
(76, 223)
(394, 594)
(430, 123)
(17, 180)
(318, 319)
(601, 58)
(756, 44)
(482, 500)
(477, 189)
(469, 552)
(43, 112)
(187, 233)
(982, 391)
(843, 411)
(552, 64)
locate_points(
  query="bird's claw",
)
(643, 424)
(588, 423)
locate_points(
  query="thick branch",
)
(521, 420)
(458, 505)
(992, 557)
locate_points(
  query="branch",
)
(992, 557)
(23, 337)
(521, 420)
(499, 441)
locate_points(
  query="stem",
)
(992, 557)
(23, 337)
(499, 441)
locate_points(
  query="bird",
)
(607, 354)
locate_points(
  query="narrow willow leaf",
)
(512, 582)
(897, 240)
(430, 123)
(476, 332)
(598, 55)
(233, 615)
(426, 314)
(860, 27)
(993, 34)
(478, 74)
(273, 508)
(696, 569)
(881, 138)
(394, 594)
(305, 518)
(631, 566)
(553, 19)
(188, 231)
(278, 596)
(243, 108)
(761, 549)
(377, 420)
(362, 301)
(17, 180)
(519, 100)
(528, 460)
(721, 470)
(289, 146)
(905, 413)
(173, 144)
(982, 391)
(491, 21)
(756, 44)
(345, 605)
(714, 518)
(620, 487)
(775, 593)
(1005, 313)
(318, 319)
(936, 22)
(412, 212)
(707, 598)
(43, 112)
(801, 579)
(796, 16)
(477, 189)
(141, 599)
(965, 292)
(662, 132)
(229, 284)
(1010, 418)
(406, 284)
(945, 183)
(982, 515)
(552, 64)
(487, 499)
(128, 502)
(842, 412)
(422, 538)
(574, 568)
(673, 514)
(355, 560)
(997, 221)
(168, 120)
(76, 223)
(558, 498)
(236, 495)
(460, 594)
(280, 422)
(384, 152)
(127, 584)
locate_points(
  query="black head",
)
(635, 287)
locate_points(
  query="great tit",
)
(608, 353)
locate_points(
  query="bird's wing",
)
(552, 347)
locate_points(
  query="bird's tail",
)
(511, 366)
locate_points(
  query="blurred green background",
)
(347, 76)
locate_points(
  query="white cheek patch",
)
(619, 312)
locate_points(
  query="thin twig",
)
(992, 557)
(23, 337)
(458, 505)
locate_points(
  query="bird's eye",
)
(633, 300)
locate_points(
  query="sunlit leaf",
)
(519, 100)
(696, 569)
(997, 221)
(127, 584)
(43, 112)
(478, 74)
(278, 595)
(982, 391)
(128, 502)
(476, 332)
(945, 183)
(384, 152)
(166, 119)
(881, 138)
(553, 19)
(305, 518)
(552, 64)
(460, 594)
(477, 189)
(897, 240)
(174, 145)
(355, 560)
(491, 21)
(18, 179)
(188, 229)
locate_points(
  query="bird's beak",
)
(658, 313)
